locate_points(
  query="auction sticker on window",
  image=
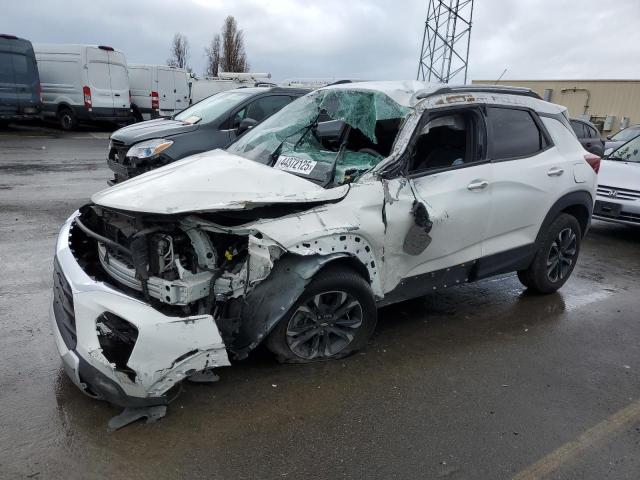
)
(295, 164)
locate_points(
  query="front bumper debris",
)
(167, 349)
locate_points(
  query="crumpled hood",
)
(618, 174)
(212, 181)
(159, 128)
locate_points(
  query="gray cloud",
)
(372, 39)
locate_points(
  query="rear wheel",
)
(556, 257)
(67, 119)
(334, 317)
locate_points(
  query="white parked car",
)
(618, 198)
(352, 197)
(158, 90)
(83, 83)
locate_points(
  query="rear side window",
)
(513, 133)
(266, 106)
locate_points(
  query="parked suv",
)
(353, 197)
(20, 93)
(211, 123)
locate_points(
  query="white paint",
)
(210, 181)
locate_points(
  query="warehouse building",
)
(610, 104)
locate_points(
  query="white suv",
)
(352, 197)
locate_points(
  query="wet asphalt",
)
(478, 382)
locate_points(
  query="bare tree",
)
(233, 57)
(179, 52)
(212, 53)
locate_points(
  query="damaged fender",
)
(268, 302)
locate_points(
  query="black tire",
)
(331, 283)
(136, 116)
(67, 119)
(556, 257)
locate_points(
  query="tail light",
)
(87, 96)
(39, 90)
(593, 161)
(155, 101)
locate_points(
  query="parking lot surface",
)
(479, 382)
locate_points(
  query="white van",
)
(83, 83)
(158, 90)
(202, 88)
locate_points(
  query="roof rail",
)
(525, 92)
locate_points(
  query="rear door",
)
(166, 86)
(529, 175)
(140, 84)
(8, 93)
(181, 89)
(99, 78)
(119, 80)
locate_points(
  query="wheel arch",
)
(264, 306)
(579, 204)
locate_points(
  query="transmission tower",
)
(446, 41)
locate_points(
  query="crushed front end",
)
(142, 302)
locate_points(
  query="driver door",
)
(449, 175)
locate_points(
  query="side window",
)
(446, 141)
(513, 133)
(266, 106)
(594, 133)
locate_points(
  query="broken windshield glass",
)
(330, 136)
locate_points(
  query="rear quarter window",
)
(513, 133)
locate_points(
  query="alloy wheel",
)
(562, 255)
(324, 325)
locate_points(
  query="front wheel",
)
(556, 257)
(334, 317)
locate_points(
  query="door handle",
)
(555, 172)
(478, 185)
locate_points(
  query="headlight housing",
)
(149, 148)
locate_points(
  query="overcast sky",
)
(368, 39)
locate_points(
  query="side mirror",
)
(246, 124)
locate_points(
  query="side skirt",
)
(412, 287)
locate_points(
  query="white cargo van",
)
(158, 90)
(202, 88)
(83, 83)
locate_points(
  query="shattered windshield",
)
(629, 152)
(330, 136)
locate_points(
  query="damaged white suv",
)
(352, 197)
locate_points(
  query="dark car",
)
(211, 123)
(20, 93)
(623, 136)
(589, 136)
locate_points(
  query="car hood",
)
(213, 181)
(619, 174)
(613, 144)
(159, 128)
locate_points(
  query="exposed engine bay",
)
(181, 264)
